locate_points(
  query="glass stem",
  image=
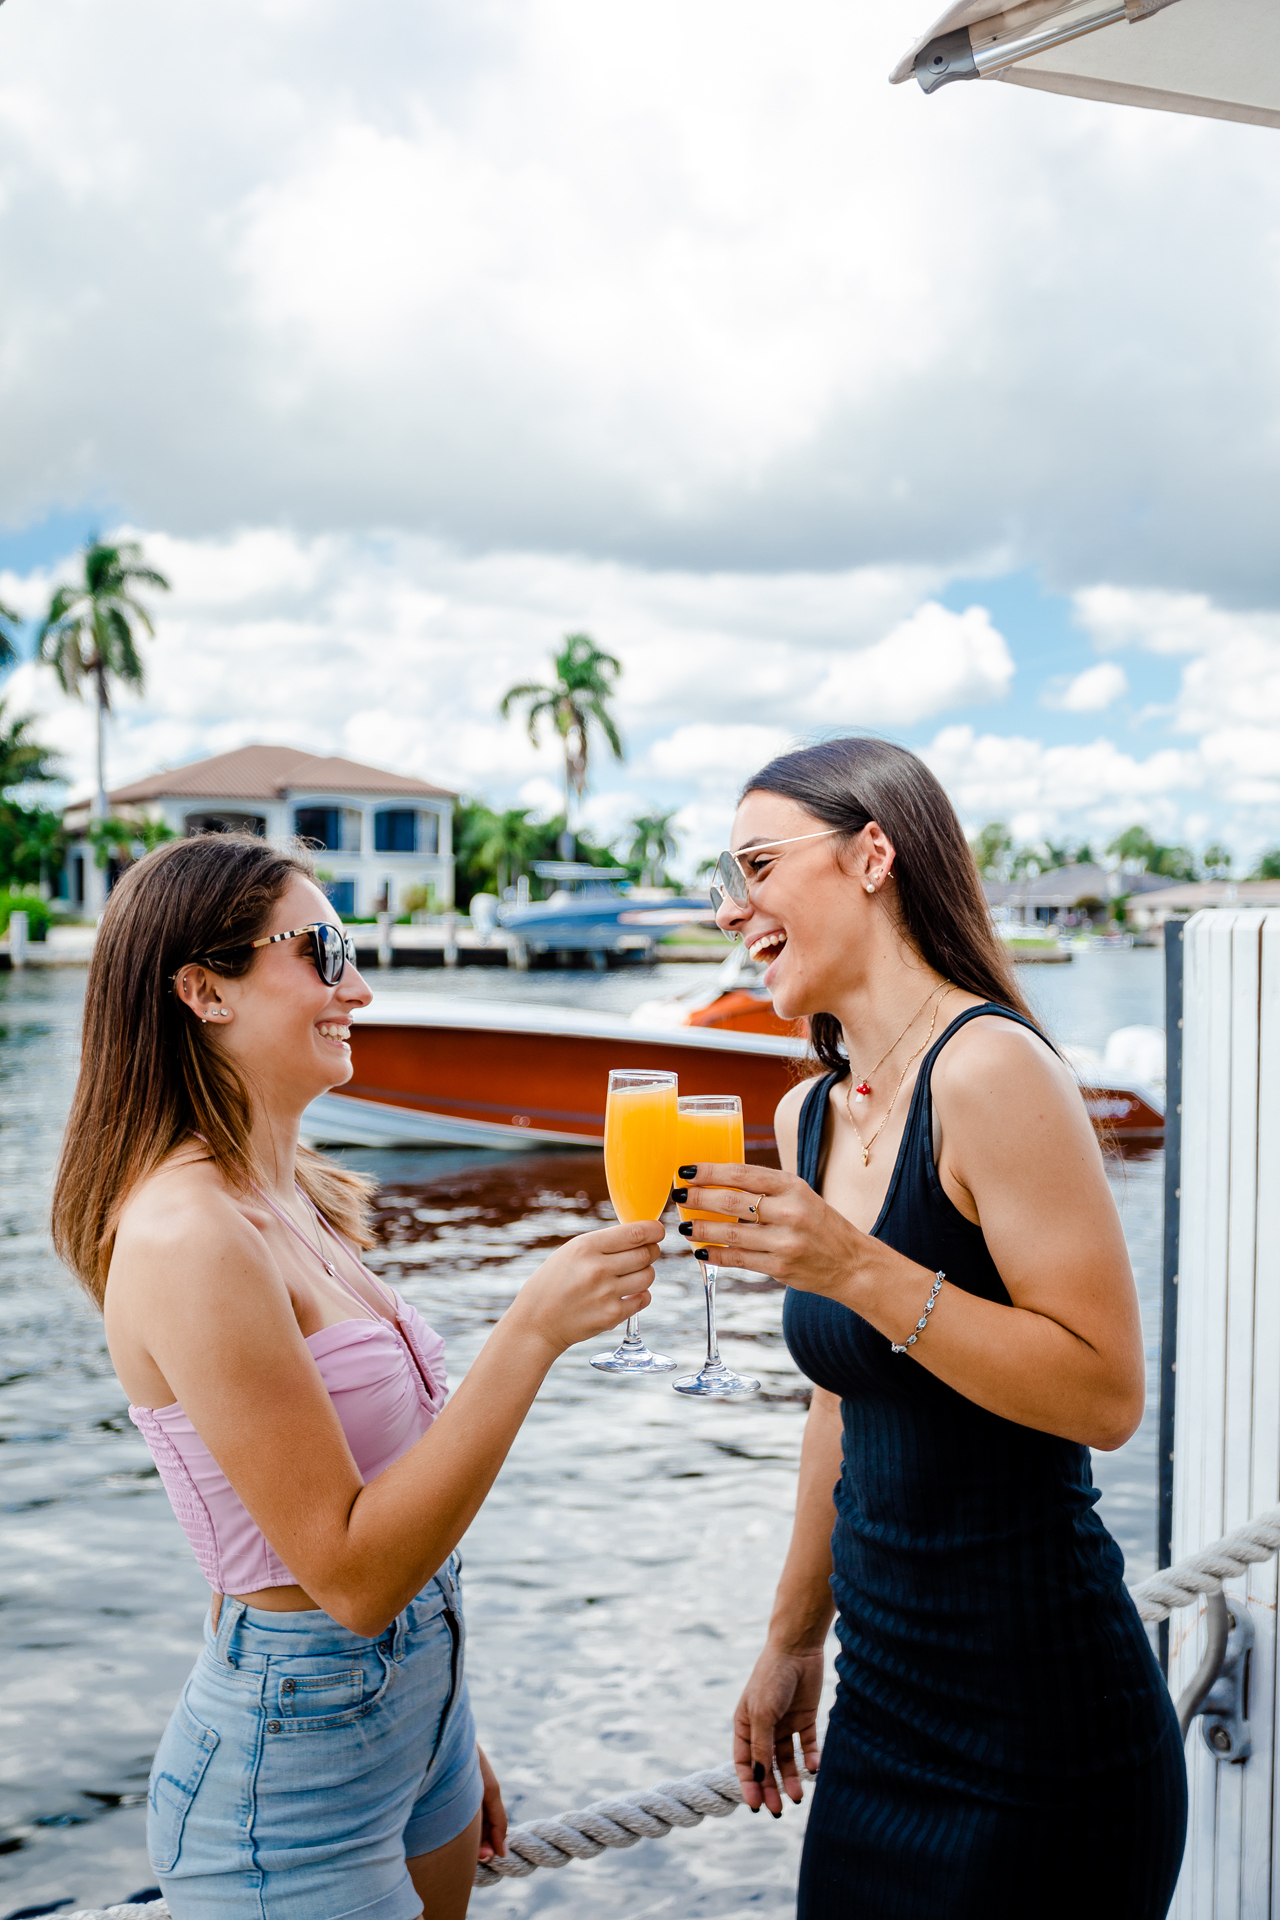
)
(709, 1277)
(631, 1338)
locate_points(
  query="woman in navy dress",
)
(1002, 1742)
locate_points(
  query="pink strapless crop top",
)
(387, 1386)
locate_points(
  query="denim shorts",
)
(303, 1764)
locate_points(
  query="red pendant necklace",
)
(863, 1090)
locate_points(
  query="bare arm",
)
(780, 1701)
(1017, 1155)
(221, 1329)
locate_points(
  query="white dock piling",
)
(18, 933)
(1227, 1413)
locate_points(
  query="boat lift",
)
(1216, 58)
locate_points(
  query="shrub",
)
(36, 910)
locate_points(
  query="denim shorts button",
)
(286, 1686)
(273, 1726)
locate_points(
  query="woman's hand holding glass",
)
(591, 1283)
(794, 1237)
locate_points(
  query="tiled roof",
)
(1216, 893)
(267, 773)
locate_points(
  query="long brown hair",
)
(848, 783)
(151, 1076)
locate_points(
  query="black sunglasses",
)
(331, 948)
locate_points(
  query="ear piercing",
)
(868, 886)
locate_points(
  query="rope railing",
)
(1204, 1572)
(651, 1812)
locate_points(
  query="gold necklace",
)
(863, 1089)
(867, 1145)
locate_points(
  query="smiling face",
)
(809, 915)
(280, 1023)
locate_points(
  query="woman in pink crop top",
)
(321, 1763)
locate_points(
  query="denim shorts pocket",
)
(328, 1694)
(185, 1750)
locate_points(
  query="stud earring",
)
(224, 1013)
(868, 886)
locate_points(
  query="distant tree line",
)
(999, 857)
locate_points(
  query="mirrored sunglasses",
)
(729, 881)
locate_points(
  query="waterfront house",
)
(376, 834)
(1189, 896)
(1067, 896)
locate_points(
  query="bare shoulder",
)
(999, 1062)
(786, 1122)
(183, 1221)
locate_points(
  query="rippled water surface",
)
(618, 1580)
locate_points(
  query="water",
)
(618, 1580)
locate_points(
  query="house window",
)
(334, 829)
(342, 895)
(396, 830)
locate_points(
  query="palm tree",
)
(578, 697)
(89, 633)
(21, 757)
(653, 845)
(501, 843)
(9, 622)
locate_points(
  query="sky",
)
(409, 338)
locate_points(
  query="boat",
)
(590, 913)
(431, 1070)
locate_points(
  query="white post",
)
(384, 939)
(18, 928)
(450, 939)
(1227, 1417)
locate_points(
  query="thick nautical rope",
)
(652, 1812)
(1204, 1572)
(647, 1815)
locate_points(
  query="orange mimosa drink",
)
(708, 1133)
(640, 1148)
(639, 1164)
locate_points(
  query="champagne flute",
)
(709, 1129)
(639, 1153)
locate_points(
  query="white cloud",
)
(1043, 789)
(397, 651)
(552, 275)
(933, 660)
(1091, 691)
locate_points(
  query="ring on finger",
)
(753, 1209)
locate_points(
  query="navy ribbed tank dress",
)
(1002, 1743)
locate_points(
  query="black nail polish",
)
(686, 1228)
(778, 1814)
(679, 1195)
(702, 1253)
(687, 1173)
(757, 1772)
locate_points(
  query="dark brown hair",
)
(847, 784)
(151, 1076)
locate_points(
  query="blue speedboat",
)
(594, 910)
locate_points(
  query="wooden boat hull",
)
(436, 1071)
(478, 1073)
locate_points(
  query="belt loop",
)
(228, 1620)
(398, 1636)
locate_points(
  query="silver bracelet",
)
(923, 1321)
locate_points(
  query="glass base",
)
(633, 1357)
(716, 1383)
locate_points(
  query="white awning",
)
(1219, 58)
